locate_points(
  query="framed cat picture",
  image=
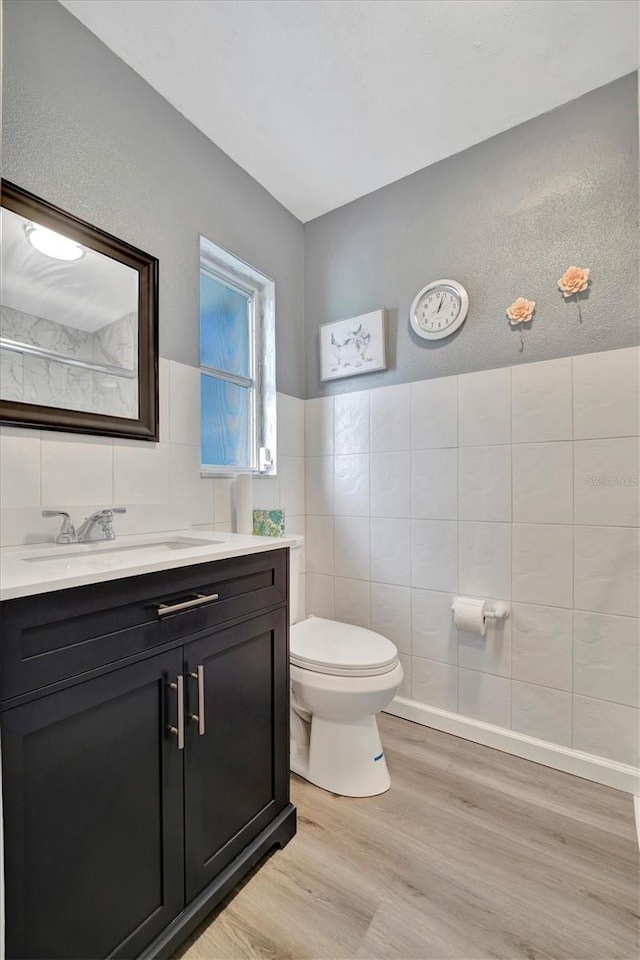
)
(354, 346)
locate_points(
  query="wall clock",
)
(439, 309)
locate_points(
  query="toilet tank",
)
(295, 561)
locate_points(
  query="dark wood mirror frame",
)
(145, 427)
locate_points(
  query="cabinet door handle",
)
(178, 686)
(201, 598)
(199, 716)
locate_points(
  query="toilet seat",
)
(340, 649)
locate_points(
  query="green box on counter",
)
(268, 523)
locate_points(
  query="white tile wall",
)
(543, 482)
(543, 564)
(484, 401)
(320, 545)
(319, 485)
(351, 423)
(606, 482)
(391, 614)
(606, 657)
(390, 551)
(435, 683)
(390, 484)
(76, 470)
(158, 483)
(484, 564)
(20, 467)
(606, 729)
(485, 697)
(434, 554)
(320, 595)
(390, 413)
(606, 397)
(434, 484)
(141, 472)
(290, 414)
(607, 570)
(491, 653)
(433, 632)
(478, 485)
(541, 712)
(414, 520)
(434, 413)
(541, 645)
(405, 686)
(292, 485)
(352, 547)
(485, 483)
(318, 427)
(351, 485)
(353, 601)
(541, 405)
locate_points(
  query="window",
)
(237, 365)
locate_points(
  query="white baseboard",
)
(585, 765)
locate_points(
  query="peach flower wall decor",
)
(573, 282)
(519, 313)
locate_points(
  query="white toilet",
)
(341, 677)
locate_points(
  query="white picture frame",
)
(353, 346)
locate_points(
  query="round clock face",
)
(439, 309)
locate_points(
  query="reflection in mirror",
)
(69, 323)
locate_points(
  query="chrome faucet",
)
(99, 526)
(67, 530)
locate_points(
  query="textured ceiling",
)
(323, 101)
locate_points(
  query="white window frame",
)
(260, 291)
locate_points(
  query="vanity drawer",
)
(222, 592)
(56, 636)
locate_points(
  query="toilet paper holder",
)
(498, 611)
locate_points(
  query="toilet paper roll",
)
(243, 503)
(470, 615)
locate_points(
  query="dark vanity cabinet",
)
(93, 814)
(144, 754)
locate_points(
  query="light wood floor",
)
(471, 854)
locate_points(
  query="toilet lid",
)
(340, 649)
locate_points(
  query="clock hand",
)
(440, 304)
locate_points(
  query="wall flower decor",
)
(519, 313)
(572, 283)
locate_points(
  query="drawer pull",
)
(178, 686)
(199, 716)
(165, 608)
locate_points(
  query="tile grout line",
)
(511, 548)
(573, 548)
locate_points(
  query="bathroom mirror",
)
(78, 324)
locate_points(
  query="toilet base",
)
(346, 758)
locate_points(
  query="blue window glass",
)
(225, 422)
(224, 329)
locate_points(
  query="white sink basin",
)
(86, 551)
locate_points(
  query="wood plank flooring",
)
(472, 854)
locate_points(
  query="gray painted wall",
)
(505, 218)
(84, 131)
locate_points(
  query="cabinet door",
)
(237, 770)
(92, 785)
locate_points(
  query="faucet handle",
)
(105, 520)
(67, 530)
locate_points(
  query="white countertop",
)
(44, 567)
